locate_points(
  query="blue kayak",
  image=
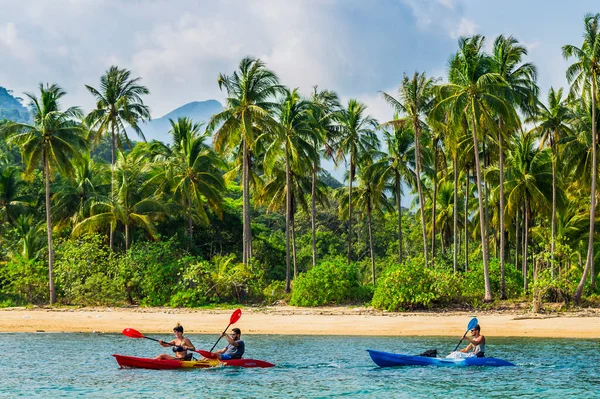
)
(386, 359)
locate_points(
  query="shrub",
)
(24, 281)
(406, 286)
(275, 292)
(86, 273)
(473, 286)
(330, 282)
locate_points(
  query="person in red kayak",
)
(180, 346)
(476, 342)
(235, 348)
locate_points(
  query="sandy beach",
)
(302, 321)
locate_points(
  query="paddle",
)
(235, 316)
(131, 333)
(472, 324)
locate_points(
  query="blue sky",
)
(353, 47)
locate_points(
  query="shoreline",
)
(285, 320)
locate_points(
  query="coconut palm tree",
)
(292, 140)
(395, 167)
(415, 101)
(552, 124)
(520, 78)
(192, 172)
(529, 184)
(474, 89)
(250, 94)
(356, 137)
(583, 76)
(119, 103)
(53, 140)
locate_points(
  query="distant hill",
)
(198, 111)
(11, 107)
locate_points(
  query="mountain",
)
(198, 111)
(11, 107)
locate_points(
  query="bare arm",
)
(166, 344)
(187, 344)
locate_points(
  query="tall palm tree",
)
(520, 78)
(475, 89)
(119, 102)
(552, 124)
(53, 140)
(583, 76)
(415, 101)
(193, 172)
(324, 105)
(356, 138)
(292, 141)
(395, 167)
(250, 95)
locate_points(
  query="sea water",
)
(45, 365)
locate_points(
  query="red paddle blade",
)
(207, 354)
(235, 316)
(131, 333)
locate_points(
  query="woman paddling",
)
(180, 346)
(476, 343)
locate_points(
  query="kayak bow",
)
(155, 364)
(386, 359)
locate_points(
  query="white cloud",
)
(466, 27)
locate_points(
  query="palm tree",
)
(415, 100)
(529, 177)
(119, 103)
(552, 124)
(53, 140)
(193, 170)
(30, 237)
(134, 204)
(250, 93)
(520, 79)
(583, 76)
(355, 139)
(292, 141)
(473, 88)
(324, 106)
(395, 167)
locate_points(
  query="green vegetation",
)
(241, 209)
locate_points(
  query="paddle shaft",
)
(224, 331)
(461, 340)
(168, 343)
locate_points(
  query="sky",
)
(354, 47)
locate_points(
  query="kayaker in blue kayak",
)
(180, 346)
(235, 348)
(476, 342)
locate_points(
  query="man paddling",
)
(476, 343)
(235, 347)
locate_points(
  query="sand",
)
(303, 321)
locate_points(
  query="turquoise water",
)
(80, 365)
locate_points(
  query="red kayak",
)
(154, 364)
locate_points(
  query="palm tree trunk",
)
(517, 240)
(111, 238)
(589, 263)
(501, 212)
(244, 207)
(190, 225)
(399, 205)
(369, 211)
(467, 222)
(525, 245)
(455, 213)
(487, 191)
(420, 190)
(553, 242)
(313, 215)
(288, 212)
(49, 230)
(350, 207)
(126, 237)
(482, 218)
(248, 223)
(293, 228)
(433, 208)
